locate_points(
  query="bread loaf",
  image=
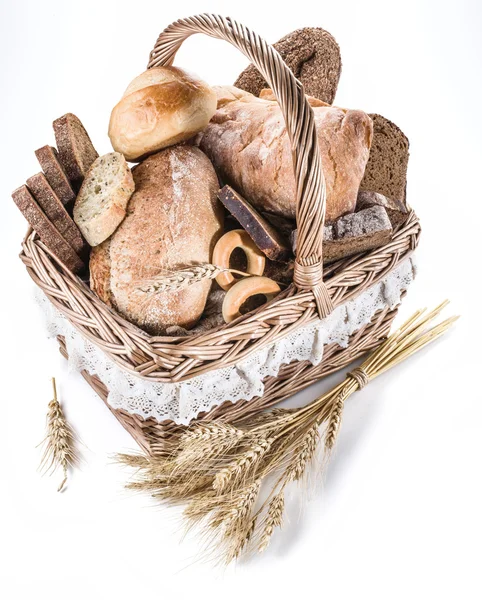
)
(173, 220)
(313, 56)
(248, 144)
(161, 107)
(101, 204)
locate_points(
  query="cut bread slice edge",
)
(101, 204)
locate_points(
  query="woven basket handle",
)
(300, 125)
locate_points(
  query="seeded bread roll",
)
(313, 56)
(101, 204)
(249, 147)
(386, 170)
(75, 149)
(161, 107)
(173, 220)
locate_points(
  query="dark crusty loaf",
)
(55, 211)
(46, 231)
(396, 210)
(386, 170)
(354, 233)
(313, 56)
(55, 174)
(76, 151)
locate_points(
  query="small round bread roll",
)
(161, 107)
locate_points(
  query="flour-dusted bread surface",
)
(101, 203)
(173, 220)
(313, 56)
(55, 211)
(386, 170)
(75, 148)
(100, 272)
(248, 144)
(55, 174)
(161, 107)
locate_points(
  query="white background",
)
(399, 512)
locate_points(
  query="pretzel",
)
(237, 238)
(237, 295)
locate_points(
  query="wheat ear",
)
(60, 450)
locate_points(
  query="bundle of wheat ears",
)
(59, 442)
(217, 470)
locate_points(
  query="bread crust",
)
(248, 144)
(173, 220)
(100, 272)
(160, 108)
(313, 56)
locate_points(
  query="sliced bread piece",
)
(55, 174)
(396, 210)
(49, 235)
(313, 56)
(76, 151)
(55, 211)
(101, 204)
(386, 170)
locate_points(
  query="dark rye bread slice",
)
(313, 56)
(55, 174)
(386, 170)
(55, 211)
(76, 151)
(49, 235)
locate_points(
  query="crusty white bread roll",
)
(161, 107)
(248, 144)
(173, 220)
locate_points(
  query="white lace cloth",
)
(182, 402)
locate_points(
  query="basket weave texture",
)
(314, 293)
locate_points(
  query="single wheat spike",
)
(59, 441)
(274, 518)
(303, 454)
(183, 277)
(334, 421)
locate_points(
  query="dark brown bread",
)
(396, 210)
(313, 56)
(55, 211)
(263, 234)
(386, 170)
(46, 231)
(55, 174)
(76, 151)
(354, 233)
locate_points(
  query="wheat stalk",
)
(218, 468)
(60, 450)
(174, 280)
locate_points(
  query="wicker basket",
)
(315, 291)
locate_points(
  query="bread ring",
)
(244, 289)
(237, 238)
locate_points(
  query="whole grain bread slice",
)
(75, 149)
(55, 174)
(386, 170)
(49, 235)
(313, 56)
(101, 204)
(55, 211)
